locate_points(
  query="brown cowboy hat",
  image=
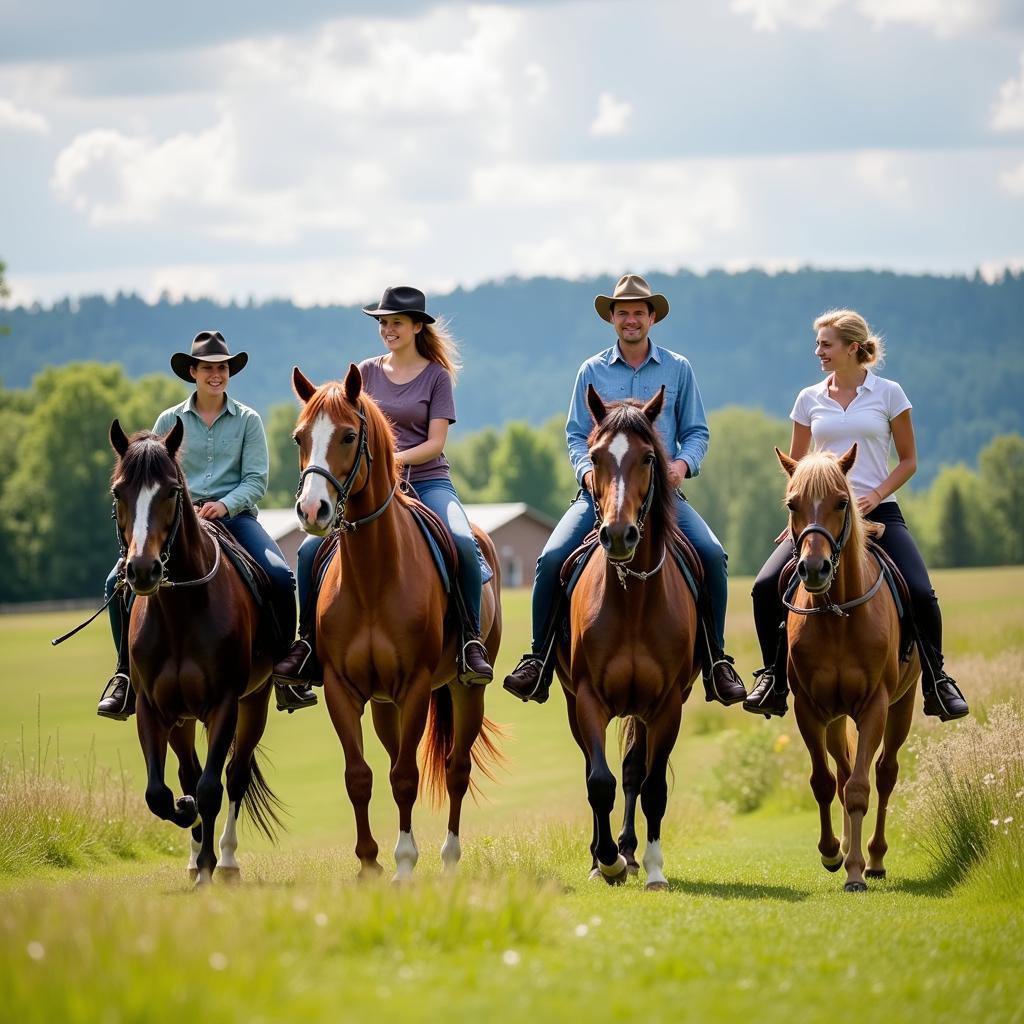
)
(631, 288)
(207, 347)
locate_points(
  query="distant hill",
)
(955, 343)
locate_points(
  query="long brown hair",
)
(435, 342)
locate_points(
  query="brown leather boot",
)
(477, 667)
(722, 683)
(299, 666)
(526, 680)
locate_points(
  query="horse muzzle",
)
(314, 516)
(619, 540)
(144, 575)
(815, 574)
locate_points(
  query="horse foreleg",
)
(661, 738)
(574, 728)
(823, 782)
(182, 739)
(220, 728)
(153, 736)
(405, 773)
(838, 746)
(634, 770)
(870, 728)
(468, 712)
(897, 728)
(346, 711)
(593, 719)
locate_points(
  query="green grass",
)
(753, 928)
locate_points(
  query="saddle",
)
(684, 553)
(788, 582)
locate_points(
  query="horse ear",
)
(172, 439)
(788, 464)
(118, 438)
(652, 410)
(353, 384)
(597, 407)
(847, 460)
(303, 387)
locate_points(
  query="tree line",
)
(57, 539)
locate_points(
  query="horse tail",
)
(262, 803)
(439, 741)
(627, 735)
(851, 739)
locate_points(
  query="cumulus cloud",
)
(1008, 115)
(612, 115)
(1012, 181)
(943, 17)
(772, 15)
(878, 172)
(16, 119)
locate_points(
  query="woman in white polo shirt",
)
(853, 405)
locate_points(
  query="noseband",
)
(339, 524)
(622, 569)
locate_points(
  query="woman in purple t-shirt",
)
(412, 384)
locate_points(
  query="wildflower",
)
(36, 950)
(510, 958)
(320, 919)
(1007, 821)
(581, 930)
(781, 742)
(218, 961)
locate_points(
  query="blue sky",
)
(322, 153)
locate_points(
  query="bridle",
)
(836, 548)
(339, 524)
(622, 569)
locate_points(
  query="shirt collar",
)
(230, 406)
(653, 352)
(869, 383)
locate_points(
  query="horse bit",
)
(836, 547)
(339, 524)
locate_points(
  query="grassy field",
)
(752, 927)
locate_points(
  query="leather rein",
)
(836, 547)
(339, 524)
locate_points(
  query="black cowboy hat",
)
(403, 299)
(207, 347)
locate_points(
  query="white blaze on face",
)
(618, 449)
(314, 487)
(140, 526)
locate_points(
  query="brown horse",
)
(381, 620)
(195, 653)
(632, 629)
(844, 637)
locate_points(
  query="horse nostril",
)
(324, 511)
(129, 571)
(602, 536)
(801, 569)
(632, 537)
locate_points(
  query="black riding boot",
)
(299, 669)
(118, 697)
(768, 697)
(943, 699)
(721, 682)
(531, 678)
(474, 662)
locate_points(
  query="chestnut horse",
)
(381, 620)
(844, 666)
(195, 653)
(632, 629)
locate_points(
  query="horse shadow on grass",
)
(737, 890)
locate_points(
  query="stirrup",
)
(468, 676)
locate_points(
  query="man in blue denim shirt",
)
(633, 368)
(226, 465)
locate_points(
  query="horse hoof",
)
(229, 876)
(186, 814)
(656, 887)
(614, 874)
(370, 872)
(595, 875)
(193, 874)
(632, 869)
(875, 873)
(855, 887)
(832, 864)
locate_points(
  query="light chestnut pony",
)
(844, 662)
(380, 621)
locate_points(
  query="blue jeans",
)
(578, 521)
(246, 529)
(440, 497)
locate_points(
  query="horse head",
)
(147, 487)
(630, 469)
(822, 514)
(340, 433)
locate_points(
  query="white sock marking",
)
(654, 861)
(314, 487)
(451, 853)
(193, 855)
(229, 838)
(140, 528)
(406, 856)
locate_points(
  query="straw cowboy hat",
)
(207, 347)
(631, 288)
(403, 299)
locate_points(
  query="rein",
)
(339, 524)
(836, 546)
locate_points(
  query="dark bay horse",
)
(195, 653)
(380, 622)
(844, 666)
(633, 625)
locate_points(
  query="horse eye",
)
(349, 438)
(791, 505)
(650, 459)
(842, 504)
(296, 440)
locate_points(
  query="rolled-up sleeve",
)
(692, 434)
(578, 427)
(255, 468)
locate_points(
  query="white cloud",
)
(20, 120)
(878, 173)
(1008, 115)
(1012, 181)
(943, 17)
(771, 15)
(612, 115)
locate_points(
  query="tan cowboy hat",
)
(207, 347)
(631, 287)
